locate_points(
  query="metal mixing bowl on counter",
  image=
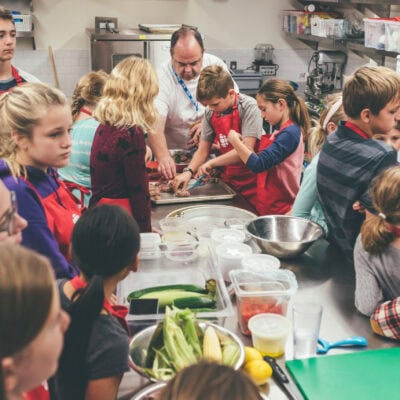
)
(140, 343)
(284, 236)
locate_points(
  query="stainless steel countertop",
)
(322, 276)
(126, 34)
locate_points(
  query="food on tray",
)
(181, 156)
(154, 191)
(181, 295)
(179, 341)
(182, 193)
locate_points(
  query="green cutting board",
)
(361, 375)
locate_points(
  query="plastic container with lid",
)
(260, 262)
(269, 333)
(226, 235)
(257, 292)
(229, 257)
(149, 246)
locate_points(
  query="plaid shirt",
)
(387, 317)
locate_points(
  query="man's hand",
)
(167, 167)
(181, 181)
(194, 133)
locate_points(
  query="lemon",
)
(259, 370)
(250, 353)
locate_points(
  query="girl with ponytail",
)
(377, 249)
(105, 244)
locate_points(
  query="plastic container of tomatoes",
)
(260, 292)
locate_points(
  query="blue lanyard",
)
(195, 104)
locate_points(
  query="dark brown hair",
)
(183, 32)
(6, 15)
(210, 381)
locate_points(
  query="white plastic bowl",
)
(230, 255)
(260, 262)
(226, 235)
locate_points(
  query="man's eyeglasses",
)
(192, 64)
(7, 219)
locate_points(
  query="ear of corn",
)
(211, 346)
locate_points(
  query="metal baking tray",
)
(211, 191)
(159, 28)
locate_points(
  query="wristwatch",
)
(187, 169)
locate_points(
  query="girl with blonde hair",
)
(306, 204)
(32, 323)
(377, 249)
(280, 159)
(87, 93)
(34, 141)
(117, 162)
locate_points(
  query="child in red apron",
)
(32, 323)
(226, 110)
(280, 158)
(105, 243)
(35, 137)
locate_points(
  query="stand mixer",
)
(326, 77)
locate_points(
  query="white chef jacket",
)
(173, 103)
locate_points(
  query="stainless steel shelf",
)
(356, 45)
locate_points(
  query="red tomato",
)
(249, 306)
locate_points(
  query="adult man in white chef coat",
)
(179, 126)
(10, 76)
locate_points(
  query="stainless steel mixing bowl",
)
(284, 236)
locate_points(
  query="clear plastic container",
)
(223, 235)
(259, 292)
(230, 255)
(269, 333)
(164, 271)
(149, 245)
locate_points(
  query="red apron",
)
(62, 212)
(17, 78)
(273, 198)
(125, 203)
(238, 175)
(117, 311)
(40, 393)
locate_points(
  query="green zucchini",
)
(137, 294)
(168, 297)
(196, 302)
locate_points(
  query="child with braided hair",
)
(377, 249)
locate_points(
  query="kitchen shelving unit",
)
(383, 8)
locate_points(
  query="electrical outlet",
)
(233, 65)
(105, 23)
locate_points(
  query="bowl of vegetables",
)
(179, 340)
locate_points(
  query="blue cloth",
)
(78, 169)
(37, 234)
(283, 146)
(307, 204)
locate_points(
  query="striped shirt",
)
(347, 164)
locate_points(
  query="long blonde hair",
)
(21, 110)
(128, 95)
(275, 89)
(88, 91)
(26, 293)
(318, 133)
(376, 233)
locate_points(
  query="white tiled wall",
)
(71, 64)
